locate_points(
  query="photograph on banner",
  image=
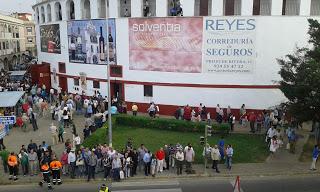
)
(229, 45)
(165, 44)
(83, 81)
(50, 38)
(88, 40)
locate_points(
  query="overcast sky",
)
(9, 6)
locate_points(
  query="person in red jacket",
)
(252, 120)
(160, 155)
(187, 113)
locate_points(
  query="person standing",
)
(232, 121)
(153, 165)
(215, 156)
(107, 165)
(134, 109)
(77, 141)
(92, 163)
(189, 157)
(34, 121)
(141, 151)
(292, 141)
(229, 154)
(147, 163)
(4, 154)
(23, 157)
(179, 156)
(252, 120)
(160, 155)
(61, 132)
(45, 169)
(116, 166)
(315, 155)
(13, 166)
(55, 167)
(54, 134)
(33, 157)
(72, 163)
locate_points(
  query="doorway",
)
(117, 90)
(63, 83)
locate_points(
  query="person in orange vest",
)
(56, 166)
(13, 166)
(45, 169)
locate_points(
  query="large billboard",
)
(229, 45)
(165, 44)
(88, 40)
(50, 38)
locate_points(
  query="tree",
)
(300, 82)
(300, 74)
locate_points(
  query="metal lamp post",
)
(109, 136)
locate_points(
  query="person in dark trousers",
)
(92, 163)
(147, 163)
(34, 121)
(4, 154)
(215, 156)
(46, 175)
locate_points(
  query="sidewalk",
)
(282, 164)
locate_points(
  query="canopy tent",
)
(17, 75)
(10, 98)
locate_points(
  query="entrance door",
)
(117, 90)
(63, 83)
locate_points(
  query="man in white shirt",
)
(72, 163)
(179, 156)
(77, 141)
(271, 132)
(189, 157)
(54, 134)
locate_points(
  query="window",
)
(62, 67)
(17, 35)
(30, 40)
(29, 30)
(96, 84)
(4, 45)
(116, 70)
(76, 82)
(148, 90)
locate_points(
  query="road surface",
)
(270, 184)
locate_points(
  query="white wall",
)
(276, 36)
(180, 96)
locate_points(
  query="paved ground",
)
(274, 184)
(282, 164)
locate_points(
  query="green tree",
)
(300, 74)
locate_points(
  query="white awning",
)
(10, 98)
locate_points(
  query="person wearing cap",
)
(13, 166)
(56, 166)
(45, 169)
(104, 188)
(179, 160)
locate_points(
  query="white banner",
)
(229, 45)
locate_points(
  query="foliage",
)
(168, 124)
(300, 74)
(247, 148)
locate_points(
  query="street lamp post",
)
(109, 135)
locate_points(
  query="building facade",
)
(12, 42)
(29, 33)
(216, 52)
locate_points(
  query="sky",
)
(10, 6)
